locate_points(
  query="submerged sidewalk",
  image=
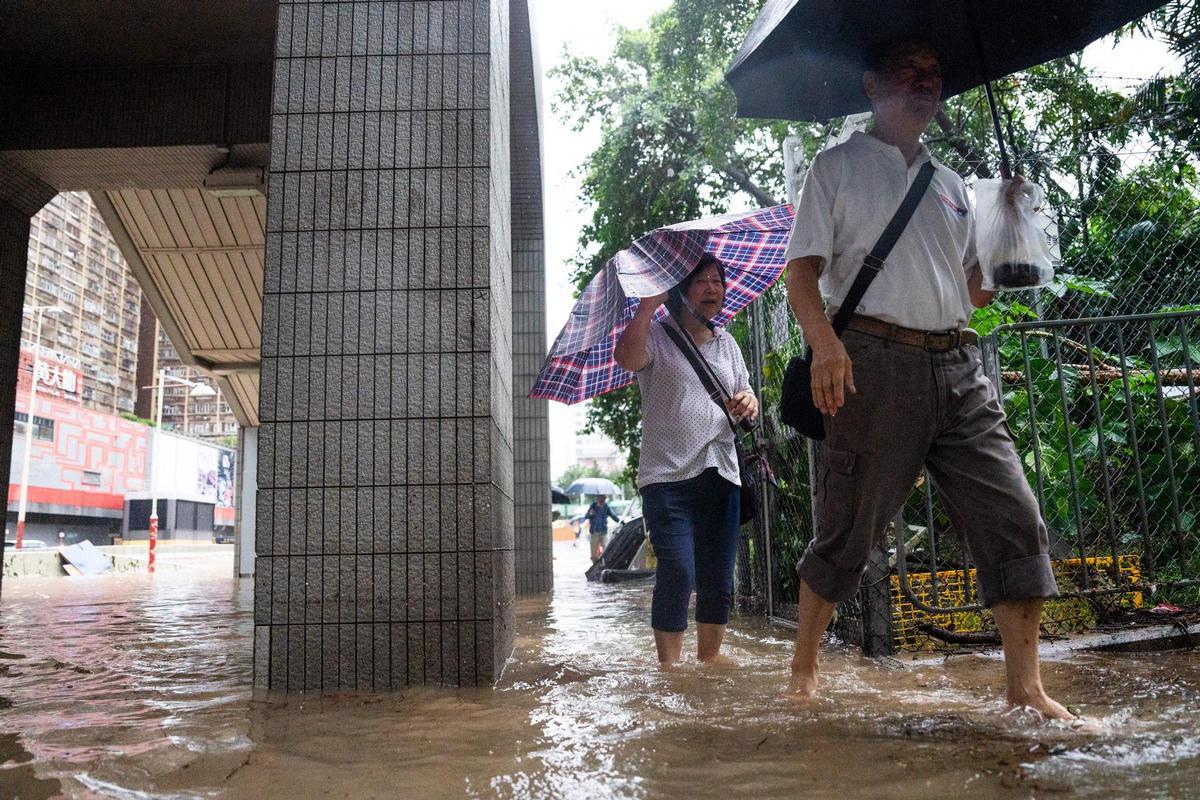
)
(121, 684)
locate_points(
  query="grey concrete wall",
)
(21, 196)
(385, 503)
(531, 457)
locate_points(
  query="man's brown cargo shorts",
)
(915, 408)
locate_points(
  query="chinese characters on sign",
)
(54, 377)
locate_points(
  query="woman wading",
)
(688, 473)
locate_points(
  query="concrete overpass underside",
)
(215, 136)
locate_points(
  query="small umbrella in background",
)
(751, 246)
(803, 59)
(558, 495)
(594, 486)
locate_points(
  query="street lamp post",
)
(197, 390)
(37, 351)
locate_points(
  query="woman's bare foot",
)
(1042, 703)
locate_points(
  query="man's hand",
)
(743, 405)
(832, 376)
(1016, 184)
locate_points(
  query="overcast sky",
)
(588, 29)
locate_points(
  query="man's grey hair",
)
(882, 57)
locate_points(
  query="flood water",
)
(138, 687)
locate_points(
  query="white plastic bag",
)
(1013, 247)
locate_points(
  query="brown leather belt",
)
(933, 341)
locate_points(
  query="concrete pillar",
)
(247, 489)
(531, 426)
(385, 502)
(21, 196)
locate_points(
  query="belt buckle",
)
(951, 339)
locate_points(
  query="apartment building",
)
(76, 268)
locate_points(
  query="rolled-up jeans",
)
(694, 528)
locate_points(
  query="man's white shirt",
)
(850, 194)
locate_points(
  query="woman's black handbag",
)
(796, 406)
(749, 464)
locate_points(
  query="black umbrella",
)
(804, 59)
(557, 495)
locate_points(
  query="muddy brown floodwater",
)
(137, 687)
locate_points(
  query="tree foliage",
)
(673, 149)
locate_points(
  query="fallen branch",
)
(954, 637)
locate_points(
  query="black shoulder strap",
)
(717, 395)
(873, 263)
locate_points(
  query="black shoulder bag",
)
(747, 463)
(796, 407)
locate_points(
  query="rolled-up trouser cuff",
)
(1024, 578)
(829, 582)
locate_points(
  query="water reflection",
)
(122, 686)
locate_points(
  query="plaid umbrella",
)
(751, 245)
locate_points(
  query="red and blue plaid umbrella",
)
(750, 245)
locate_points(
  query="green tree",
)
(671, 148)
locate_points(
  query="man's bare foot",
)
(719, 660)
(668, 666)
(1043, 704)
(802, 686)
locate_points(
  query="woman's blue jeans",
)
(694, 530)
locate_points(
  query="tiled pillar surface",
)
(531, 421)
(385, 503)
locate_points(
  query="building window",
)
(91, 478)
(43, 428)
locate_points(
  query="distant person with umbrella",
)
(688, 472)
(597, 517)
(904, 387)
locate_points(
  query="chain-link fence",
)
(1099, 376)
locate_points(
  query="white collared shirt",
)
(850, 194)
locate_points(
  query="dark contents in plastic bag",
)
(1011, 275)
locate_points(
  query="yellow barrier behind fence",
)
(1065, 615)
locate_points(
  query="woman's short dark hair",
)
(675, 296)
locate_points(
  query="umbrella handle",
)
(1005, 167)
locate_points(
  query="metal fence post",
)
(875, 597)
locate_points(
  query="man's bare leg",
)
(669, 645)
(709, 636)
(1019, 622)
(815, 612)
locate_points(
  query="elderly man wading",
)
(904, 387)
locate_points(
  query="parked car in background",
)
(28, 544)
